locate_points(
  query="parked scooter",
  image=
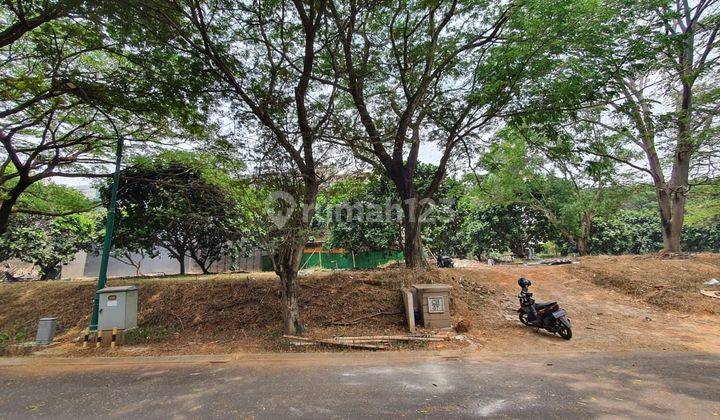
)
(443, 261)
(547, 315)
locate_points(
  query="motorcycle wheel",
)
(564, 332)
(524, 318)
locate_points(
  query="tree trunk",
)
(288, 257)
(50, 272)
(672, 243)
(582, 241)
(181, 261)
(519, 249)
(672, 212)
(202, 262)
(582, 245)
(205, 267)
(7, 205)
(672, 196)
(412, 224)
(286, 261)
(676, 193)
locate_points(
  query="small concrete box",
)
(434, 304)
(118, 307)
(46, 331)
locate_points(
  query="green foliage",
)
(69, 87)
(703, 207)
(356, 215)
(51, 223)
(638, 232)
(568, 189)
(184, 203)
(47, 198)
(149, 334)
(8, 338)
(490, 229)
(375, 206)
(628, 232)
(48, 242)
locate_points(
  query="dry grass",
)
(668, 283)
(231, 310)
(241, 312)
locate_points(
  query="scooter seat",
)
(543, 305)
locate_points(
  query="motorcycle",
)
(546, 315)
(445, 262)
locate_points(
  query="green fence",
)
(343, 260)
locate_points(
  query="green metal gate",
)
(343, 260)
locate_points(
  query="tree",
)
(635, 228)
(419, 73)
(48, 199)
(359, 215)
(262, 57)
(490, 228)
(364, 212)
(51, 231)
(69, 90)
(663, 102)
(23, 16)
(179, 202)
(568, 189)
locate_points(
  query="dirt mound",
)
(236, 311)
(668, 283)
(615, 303)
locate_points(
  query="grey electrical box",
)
(46, 330)
(118, 307)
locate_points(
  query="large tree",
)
(67, 91)
(438, 73)
(567, 187)
(182, 203)
(262, 57)
(661, 117)
(362, 212)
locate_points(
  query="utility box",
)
(46, 331)
(433, 301)
(117, 308)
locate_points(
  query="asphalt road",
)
(380, 385)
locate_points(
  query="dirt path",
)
(603, 319)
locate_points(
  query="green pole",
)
(109, 228)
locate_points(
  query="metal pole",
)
(110, 224)
(109, 228)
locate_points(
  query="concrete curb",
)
(240, 358)
(293, 359)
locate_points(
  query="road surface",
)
(363, 385)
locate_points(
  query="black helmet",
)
(523, 282)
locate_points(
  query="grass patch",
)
(147, 335)
(7, 339)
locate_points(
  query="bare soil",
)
(615, 303)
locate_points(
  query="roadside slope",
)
(614, 302)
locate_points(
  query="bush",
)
(639, 232)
